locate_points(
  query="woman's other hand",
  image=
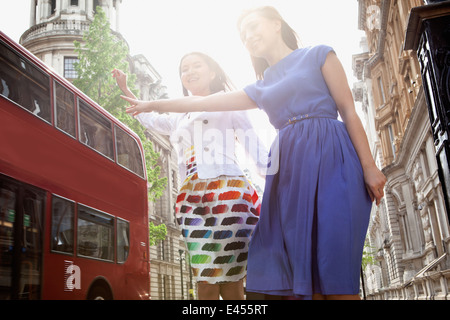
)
(137, 106)
(375, 181)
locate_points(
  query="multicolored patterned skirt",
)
(217, 217)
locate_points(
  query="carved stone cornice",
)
(379, 54)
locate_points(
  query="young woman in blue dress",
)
(309, 240)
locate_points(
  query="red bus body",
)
(40, 162)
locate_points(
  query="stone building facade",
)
(54, 26)
(409, 233)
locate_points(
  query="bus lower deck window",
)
(95, 234)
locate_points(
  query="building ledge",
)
(416, 18)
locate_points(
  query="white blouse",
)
(211, 136)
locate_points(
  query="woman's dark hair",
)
(288, 34)
(220, 83)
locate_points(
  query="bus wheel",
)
(99, 293)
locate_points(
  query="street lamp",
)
(181, 251)
(191, 289)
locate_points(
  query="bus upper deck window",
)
(24, 83)
(128, 152)
(95, 130)
(64, 109)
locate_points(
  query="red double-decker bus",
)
(73, 190)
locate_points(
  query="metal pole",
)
(363, 284)
(180, 251)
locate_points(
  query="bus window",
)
(63, 212)
(7, 217)
(21, 239)
(95, 130)
(64, 109)
(95, 234)
(23, 83)
(128, 153)
(123, 240)
(32, 243)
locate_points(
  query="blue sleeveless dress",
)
(315, 208)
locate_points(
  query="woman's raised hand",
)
(121, 79)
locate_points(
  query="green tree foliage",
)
(368, 256)
(100, 53)
(157, 233)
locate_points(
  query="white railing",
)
(75, 27)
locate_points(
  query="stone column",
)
(33, 6)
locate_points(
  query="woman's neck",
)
(277, 54)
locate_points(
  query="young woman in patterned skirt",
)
(217, 207)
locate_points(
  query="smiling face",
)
(259, 34)
(196, 75)
(267, 37)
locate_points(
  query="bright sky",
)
(165, 30)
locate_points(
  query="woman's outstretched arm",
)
(229, 101)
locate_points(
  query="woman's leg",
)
(232, 290)
(318, 296)
(207, 291)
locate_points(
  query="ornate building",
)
(409, 232)
(54, 26)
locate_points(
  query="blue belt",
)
(311, 115)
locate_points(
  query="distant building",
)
(409, 232)
(54, 26)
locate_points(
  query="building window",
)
(74, 3)
(52, 7)
(69, 68)
(174, 180)
(380, 87)
(96, 4)
(392, 140)
(431, 94)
